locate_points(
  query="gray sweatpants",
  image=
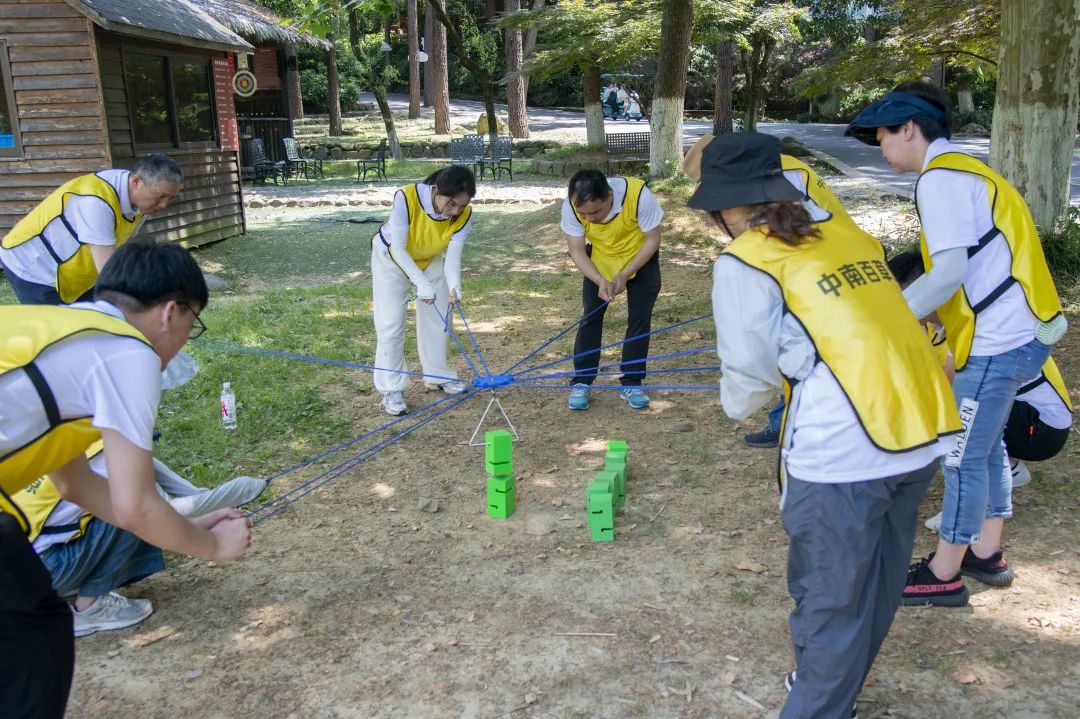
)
(849, 550)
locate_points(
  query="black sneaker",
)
(789, 681)
(923, 587)
(993, 570)
(765, 439)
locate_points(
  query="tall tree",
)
(333, 88)
(440, 75)
(470, 59)
(666, 125)
(414, 61)
(590, 35)
(430, 64)
(772, 24)
(1035, 111)
(723, 109)
(379, 74)
(515, 84)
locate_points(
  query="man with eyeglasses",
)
(71, 376)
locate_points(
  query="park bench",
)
(627, 146)
(376, 163)
(501, 158)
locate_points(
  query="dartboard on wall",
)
(244, 83)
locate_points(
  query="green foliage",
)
(1062, 250)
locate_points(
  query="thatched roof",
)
(175, 21)
(255, 23)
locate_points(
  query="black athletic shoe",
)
(923, 587)
(765, 439)
(789, 681)
(992, 570)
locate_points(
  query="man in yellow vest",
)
(70, 376)
(54, 254)
(988, 280)
(612, 228)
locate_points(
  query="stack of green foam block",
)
(498, 452)
(607, 493)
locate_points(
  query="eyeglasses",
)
(197, 327)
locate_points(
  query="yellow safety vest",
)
(816, 189)
(1013, 223)
(840, 290)
(1051, 375)
(76, 272)
(25, 332)
(614, 243)
(41, 498)
(428, 237)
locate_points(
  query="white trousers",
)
(390, 289)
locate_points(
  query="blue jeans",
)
(776, 415)
(103, 559)
(978, 484)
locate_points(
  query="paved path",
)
(826, 138)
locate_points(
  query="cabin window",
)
(170, 100)
(10, 141)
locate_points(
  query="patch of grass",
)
(573, 150)
(741, 594)
(1062, 250)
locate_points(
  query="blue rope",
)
(450, 330)
(277, 504)
(657, 387)
(617, 373)
(284, 354)
(472, 337)
(615, 344)
(354, 440)
(573, 373)
(541, 348)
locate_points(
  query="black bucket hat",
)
(895, 108)
(741, 169)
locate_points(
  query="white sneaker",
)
(1020, 474)
(394, 403)
(111, 611)
(450, 387)
(934, 523)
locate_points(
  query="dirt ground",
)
(356, 602)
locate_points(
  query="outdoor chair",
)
(627, 146)
(376, 164)
(502, 151)
(467, 151)
(295, 162)
(265, 167)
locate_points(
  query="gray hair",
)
(158, 168)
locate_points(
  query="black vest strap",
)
(983, 242)
(992, 297)
(61, 528)
(48, 401)
(1032, 385)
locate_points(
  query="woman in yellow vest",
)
(612, 228)
(814, 309)
(419, 249)
(53, 255)
(988, 281)
(71, 376)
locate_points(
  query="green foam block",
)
(498, 446)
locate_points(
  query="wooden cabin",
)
(87, 85)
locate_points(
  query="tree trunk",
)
(666, 125)
(333, 89)
(965, 101)
(429, 80)
(515, 87)
(414, 63)
(388, 121)
(465, 58)
(757, 65)
(594, 112)
(292, 79)
(528, 43)
(723, 112)
(440, 87)
(1035, 110)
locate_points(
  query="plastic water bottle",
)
(228, 407)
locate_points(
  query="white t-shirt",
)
(116, 381)
(955, 212)
(92, 220)
(649, 212)
(396, 232)
(799, 180)
(756, 340)
(1044, 398)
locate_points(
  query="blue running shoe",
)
(635, 397)
(579, 396)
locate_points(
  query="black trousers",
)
(37, 641)
(1029, 438)
(641, 293)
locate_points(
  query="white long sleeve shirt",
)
(756, 342)
(396, 232)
